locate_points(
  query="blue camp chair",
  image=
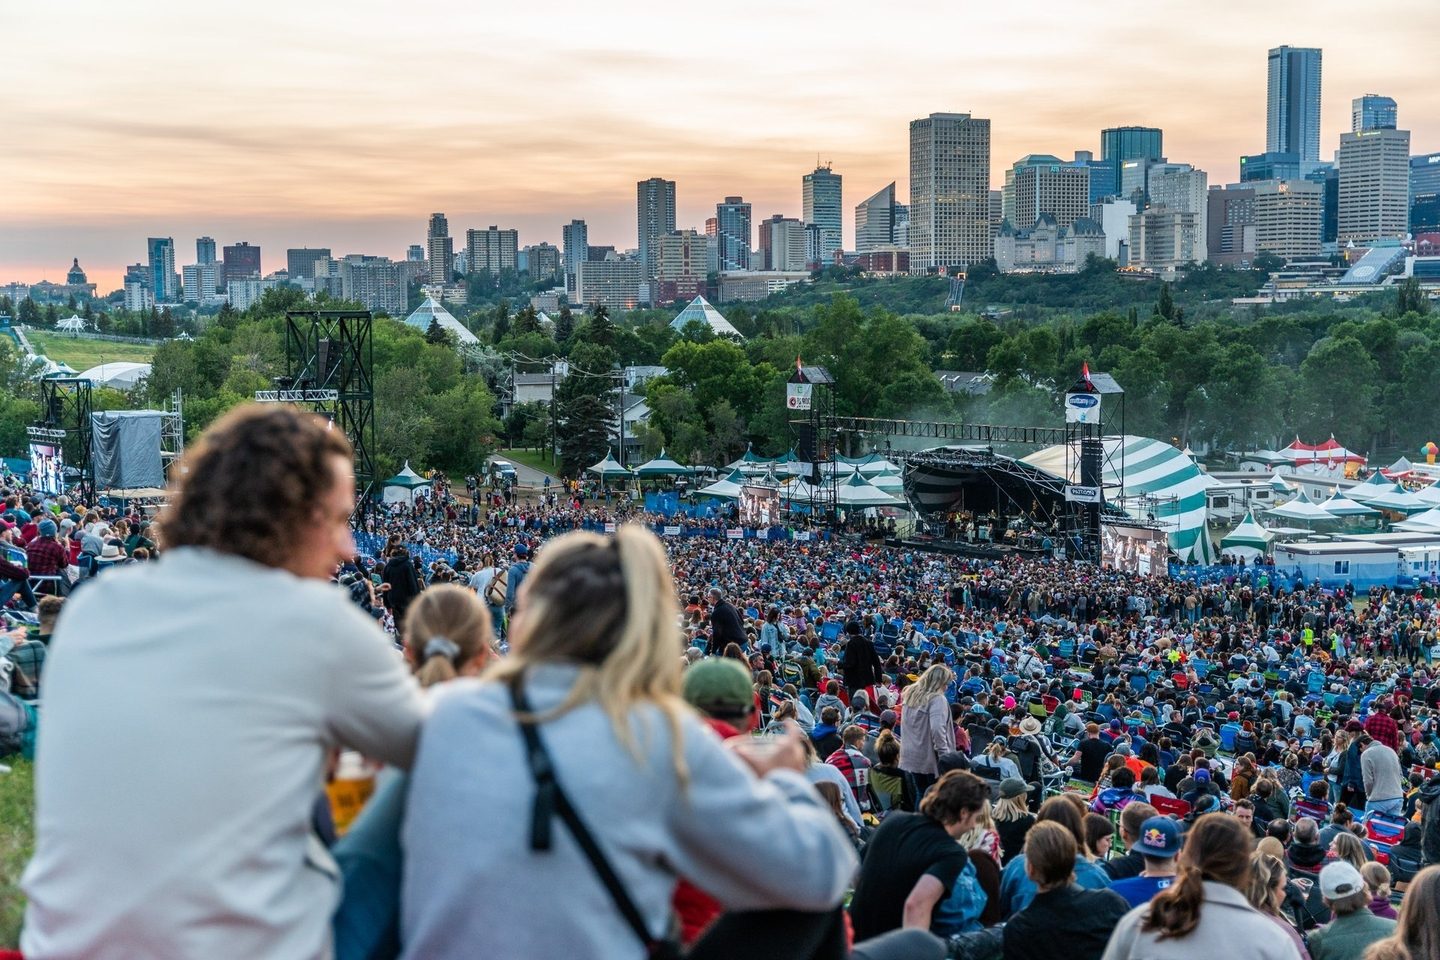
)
(1228, 733)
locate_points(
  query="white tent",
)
(1426, 522)
(118, 374)
(1249, 540)
(802, 492)
(1400, 502)
(888, 482)
(1374, 487)
(856, 492)
(1430, 494)
(1279, 484)
(609, 468)
(71, 324)
(869, 466)
(1340, 506)
(401, 487)
(726, 488)
(1301, 508)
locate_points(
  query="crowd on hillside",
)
(627, 745)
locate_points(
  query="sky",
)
(346, 125)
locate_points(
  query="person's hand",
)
(782, 751)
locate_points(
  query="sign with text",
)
(1075, 493)
(802, 536)
(672, 531)
(736, 534)
(609, 528)
(1082, 408)
(797, 395)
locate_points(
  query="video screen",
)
(759, 506)
(47, 468)
(1134, 549)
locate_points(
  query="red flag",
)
(798, 365)
(1085, 372)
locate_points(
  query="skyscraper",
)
(205, 250)
(162, 269)
(300, 261)
(654, 217)
(492, 250)
(575, 241)
(1119, 144)
(1372, 112)
(732, 219)
(876, 220)
(820, 204)
(241, 261)
(439, 248)
(1425, 192)
(1179, 186)
(1061, 190)
(1287, 218)
(1374, 186)
(783, 243)
(1292, 102)
(949, 192)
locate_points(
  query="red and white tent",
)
(1329, 454)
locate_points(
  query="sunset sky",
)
(346, 125)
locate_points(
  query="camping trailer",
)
(1337, 563)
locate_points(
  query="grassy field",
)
(530, 458)
(17, 840)
(82, 354)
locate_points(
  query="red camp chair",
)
(1170, 807)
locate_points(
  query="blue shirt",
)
(1139, 890)
(1017, 889)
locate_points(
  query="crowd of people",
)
(624, 745)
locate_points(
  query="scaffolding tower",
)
(810, 399)
(65, 409)
(1094, 414)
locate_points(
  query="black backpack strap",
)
(551, 801)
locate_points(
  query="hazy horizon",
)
(299, 126)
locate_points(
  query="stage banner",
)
(797, 395)
(736, 534)
(672, 531)
(1082, 408)
(1075, 493)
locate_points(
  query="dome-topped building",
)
(76, 276)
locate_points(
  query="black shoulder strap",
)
(551, 801)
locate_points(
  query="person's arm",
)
(374, 704)
(920, 904)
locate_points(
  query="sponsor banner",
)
(797, 395)
(672, 531)
(802, 536)
(1082, 408)
(736, 534)
(1075, 493)
(609, 528)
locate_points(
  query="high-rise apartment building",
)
(1292, 102)
(877, 219)
(615, 283)
(732, 219)
(415, 253)
(654, 218)
(300, 261)
(949, 192)
(543, 261)
(575, 241)
(161, 275)
(205, 250)
(1230, 225)
(1179, 186)
(789, 244)
(1372, 112)
(1119, 144)
(682, 267)
(821, 205)
(1287, 218)
(439, 248)
(492, 250)
(1061, 190)
(378, 283)
(241, 261)
(200, 282)
(138, 297)
(1163, 240)
(1374, 186)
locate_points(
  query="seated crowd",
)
(612, 746)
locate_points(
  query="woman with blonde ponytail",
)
(576, 758)
(1205, 913)
(447, 634)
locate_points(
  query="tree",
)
(1165, 307)
(1337, 389)
(501, 329)
(436, 334)
(163, 326)
(586, 431)
(29, 312)
(564, 324)
(601, 329)
(1410, 297)
(971, 343)
(526, 321)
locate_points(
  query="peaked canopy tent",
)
(856, 492)
(609, 468)
(1399, 468)
(750, 462)
(726, 488)
(891, 483)
(1427, 522)
(868, 465)
(1341, 506)
(429, 310)
(1302, 509)
(1323, 459)
(1430, 494)
(1402, 501)
(1374, 487)
(662, 466)
(1248, 540)
(802, 492)
(1279, 484)
(401, 487)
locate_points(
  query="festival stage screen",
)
(1133, 549)
(47, 468)
(759, 506)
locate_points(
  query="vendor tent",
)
(662, 466)
(1399, 467)
(1374, 487)
(1249, 540)
(856, 492)
(891, 483)
(727, 488)
(1426, 522)
(401, 487)
(868, 465)
(1401, 501)
(1302, 508)
(1341, 506)
(751, 462)
(1430, 494)
(609, 468)
(802, 492)
(1279, 484)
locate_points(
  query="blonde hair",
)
(457, 618)
(1349, 848)
(932, 684)
(1377, 878)
(1271, 846)
(1011, 808)
(1417, 931)
(608, 605)
(1265, 868)
(983, 825)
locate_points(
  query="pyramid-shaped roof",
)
(430, 309)
(700, 309)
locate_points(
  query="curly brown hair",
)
(252, 479)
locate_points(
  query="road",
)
(527, 476)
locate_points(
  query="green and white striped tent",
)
(1250, 539)
(1158, 479)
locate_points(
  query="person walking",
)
(860, 664)
(926, 730)
(206, 690)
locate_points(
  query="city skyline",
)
(305, 129)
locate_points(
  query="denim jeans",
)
(1391, 808)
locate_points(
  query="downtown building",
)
(575, 244)
(1425, 192)
(786, 244)
(732, 223)
(200, 283)
(950, 223)
(241, 260)
(439, 250)
(1041, 185)
(1230, 224)
(300, 261)
(1374, 201)
(654, 218)
(821, 206)
(492, 250)
(1049, 247)
(881, 223)
(542, 261)
(1163, 240)
(682, 267)
(1179, 186)
(615, 283)
(161, 278)
(378, 283)
(1292, 102)
(1119, 145)
(1287, 215)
